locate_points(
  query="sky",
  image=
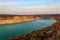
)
(28, 7)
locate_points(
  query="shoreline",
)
(31, 33)
(16, 19)
(57, 24)
(15, 23)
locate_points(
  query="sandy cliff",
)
(16, 19)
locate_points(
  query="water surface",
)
(8, 31)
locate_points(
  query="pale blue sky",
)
(18, 6)
(32, 2)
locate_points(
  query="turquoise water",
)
(8, 31)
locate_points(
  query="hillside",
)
(49, 33)
(11, 19)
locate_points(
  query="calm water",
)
(22, 28)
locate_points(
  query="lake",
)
(11, 30)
